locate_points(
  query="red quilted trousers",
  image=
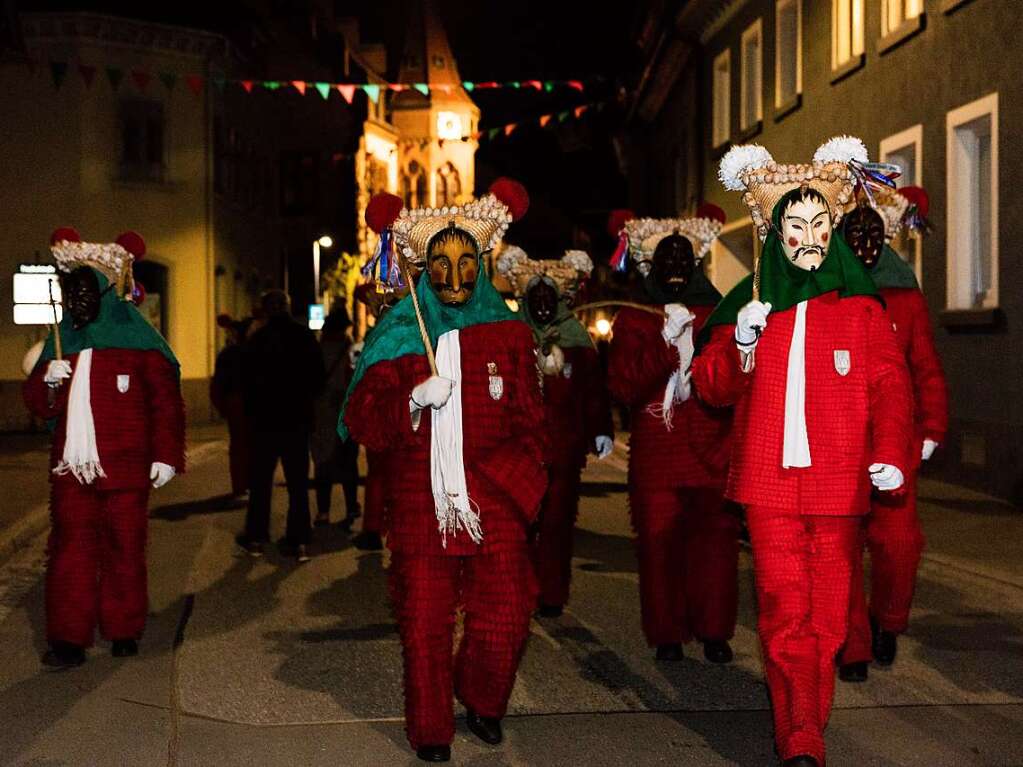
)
(688, 549)
(552, 551)
(803, 566)
(97, 563)
(895, 541)
(496, 591)
(374, 508)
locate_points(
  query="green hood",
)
(566, 331)
(119, 325)
(891, 271)
(397, 333)
(699, 292)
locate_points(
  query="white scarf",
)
(678, 387)
(81, 456)
(455, 509)
(796, 445)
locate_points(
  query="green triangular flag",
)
(514, 84)
(220, 81)
(548, 86)
(493, 133)
(373, 91)
(468, 85)
(115, 75)
(422, 88)
(168, 79)
(271, 85)
(562, 116)
(58, 69)
(324, 89)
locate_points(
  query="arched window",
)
(449, 185)
(413, 184)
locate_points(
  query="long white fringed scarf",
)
(81, 456)
(678, 387)
(796, 445)
(455, 509)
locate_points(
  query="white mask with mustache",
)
(806, 232)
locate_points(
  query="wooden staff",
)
(407, 276)
(56, 323)
(630, 304)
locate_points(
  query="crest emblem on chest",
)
(496, 383)
(843, 362)
(567, 370)
(123, 383)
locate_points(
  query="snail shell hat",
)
(564, 274)
(644, 235)
(111, 259)
(750, 169)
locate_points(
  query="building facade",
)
(926, 84)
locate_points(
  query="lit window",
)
(894, 13)
(846, 31)
(750, 90)
(449, 126)
(972, 199)
(788, 43)
(905, 149)
(722, 98)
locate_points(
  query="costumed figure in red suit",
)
(804, 351)
(686, 538)
(576, 404)
(465, 438)
(892, 530)
(111, 385)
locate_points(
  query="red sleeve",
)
(516, 466)
(891, 403)
(377, 414)
(640, 362)
(929, 387)
(598, 399)
(717, 373)
(42, 401)
(163, 389)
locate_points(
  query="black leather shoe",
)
(550, 611)
(670, 652)
(64, 655)
(884, 644)
(801, 761)
(853, 672)
(434, 753)
(251, 547)
(368, 541)
(717, 651)
(485, 728)
(124, 648)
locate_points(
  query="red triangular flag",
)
(347, 92)
(575, 84)
(508, 129)
(397, 87)
(579, 110)
(247, 85)
(544, 120)
(299, 86)
(141, 79)
(476, 136)
(87, 72)
(194, 84)
(442, 88)
(534, 84)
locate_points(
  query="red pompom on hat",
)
(65, 233)
(712, 211)
(383, 210)
(513, 194)
(133, 243)
(617, 220)
(917, 196)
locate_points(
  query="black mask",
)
(864, 231)
(673, 264)
(80, 290)
(542, 303)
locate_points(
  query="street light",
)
(323, 242)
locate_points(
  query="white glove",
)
(604, 446)
(433, 392)
(885, 476)
(676, 317)
(56, 372)
(552, 364)
(752, 315)
(161, 473)
(354, 351)
(929, 447)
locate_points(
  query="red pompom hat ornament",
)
(919, 207)
(713, 212)
(133, 243)
(513, 194)
(383, 211)
(616, 228)
(65, 234)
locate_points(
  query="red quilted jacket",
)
(135, 427)
(853, 419)
(907, 309)
(577, 405)
(503, 439)
(694, 453)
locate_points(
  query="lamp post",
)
(322, 242)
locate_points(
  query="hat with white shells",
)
(564, 274)
(644, 235)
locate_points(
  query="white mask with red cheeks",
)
(806, 231)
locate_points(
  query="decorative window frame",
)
(723, 102)
(754, 30)
(912, 136)
(784, 106)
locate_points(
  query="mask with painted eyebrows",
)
(806, 230)
(864, 231)
(453, 263)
